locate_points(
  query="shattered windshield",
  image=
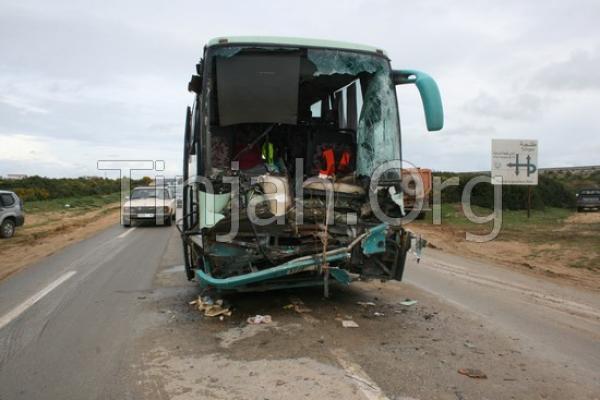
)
(320, 90)
(378, 133)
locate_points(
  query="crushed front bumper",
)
(372, 242)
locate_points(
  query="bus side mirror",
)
(195, 84)
(430, 95)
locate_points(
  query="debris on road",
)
(211, 308)
(366, 303)
(378, 314)
(297, 305)
(259, 319)
(348, 323)
(408, 302)
(472, 373)
(417, 246)
(301, 308)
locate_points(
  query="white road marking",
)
(21, 308)
(127, 232)
(358, 375)
(353, 371)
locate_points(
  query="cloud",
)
(520, 107)
(578, 72)
(35, 155)
(21, 104)
(92, 80)
(24, 148)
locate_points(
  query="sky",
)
(83, 81)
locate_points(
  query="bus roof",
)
(293, 41)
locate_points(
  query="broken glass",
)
(226, 52)
(378, 134)
(230, 51)
(378, 131)
(329, 62)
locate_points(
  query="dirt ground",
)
(46, 232)
(551, 255)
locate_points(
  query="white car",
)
(150, 204)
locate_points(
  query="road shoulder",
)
(36, 241)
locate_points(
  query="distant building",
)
(15, 176)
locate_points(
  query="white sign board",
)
(514, 162)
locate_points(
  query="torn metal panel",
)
(297, 265)
(375, 242)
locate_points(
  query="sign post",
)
(528, 201)
(514, 162)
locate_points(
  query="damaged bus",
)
(292, 171)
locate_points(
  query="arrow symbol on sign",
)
(531, 168)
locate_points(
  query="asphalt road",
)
(68, 344)
(559, 323)
(109, 318)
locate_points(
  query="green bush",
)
(550, 192)
(30, 194)
(39, 188)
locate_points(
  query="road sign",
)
(514, 162)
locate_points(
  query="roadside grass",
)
(71, 204)
(548, 232)
(453, 214)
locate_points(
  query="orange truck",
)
(412, 195)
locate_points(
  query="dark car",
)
(11, 213)
(588, 199)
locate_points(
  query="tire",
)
(168, 221)
(127, 224)
(579, 209)
(7, 229)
